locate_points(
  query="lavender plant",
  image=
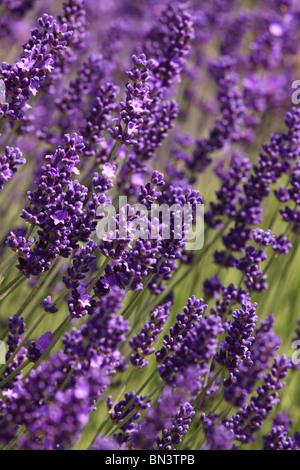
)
(121, 334)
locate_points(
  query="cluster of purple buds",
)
(8, 164)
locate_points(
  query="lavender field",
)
(149, 225)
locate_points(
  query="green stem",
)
(6, 141)
(99, 429)
(114, 151)
(269, 263)
(6, 269)
(32, 294)
(16, 282)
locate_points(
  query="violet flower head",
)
(16, 327)
(169, 43)
(197, 345)
(278, 438)
(240, 336)
(137, 104)
(249, 419)
(241, 381)
(23, 79)
(179, 428)
(57, 208)
(262, 237)
(142, 343)
(281, 245)
(8, 164)
(48, 306)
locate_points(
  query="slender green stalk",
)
(52, 273)
(6, 269)
(124, 385)
(100, 428)
(7, 139)
(208, 372)
(33, 293)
